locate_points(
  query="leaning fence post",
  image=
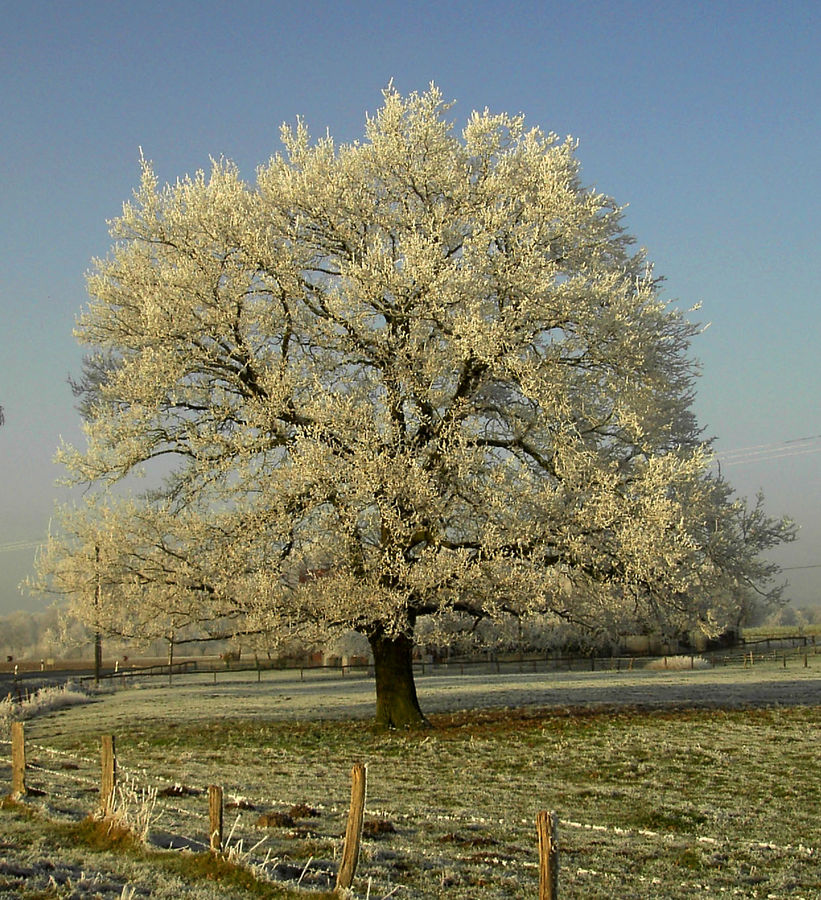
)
(353, 832)
(108, 767)
(546, 828)
(215, 818)
(18, 761)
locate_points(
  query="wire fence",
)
(287, 841)
(784, 650)
(790, 651)
(68, 786)
(34, 674)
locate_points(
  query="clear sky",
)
(703, 117)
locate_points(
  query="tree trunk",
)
(396, 702)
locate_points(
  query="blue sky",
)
(704, 118)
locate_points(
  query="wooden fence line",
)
(549, 662)
(542, 665)
(546, 823)
(752, 844)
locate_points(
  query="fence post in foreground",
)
(18, 761)
(108, 769)
(215, 818)
(546, 823)
(353, 832)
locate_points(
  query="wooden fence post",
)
(215, 818)
(546, 829)
(353, 832)
(18, 761)
(108, 767)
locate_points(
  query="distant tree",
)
(19, 633)
(423, 375)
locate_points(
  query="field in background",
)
(655, 799)
(780, 631)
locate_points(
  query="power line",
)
(742, 461)
(768, 452)
(20, 545)
(812, 437)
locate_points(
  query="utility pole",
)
(98, 596)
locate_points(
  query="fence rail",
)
(468, 666)
(45, 668)
(790, 640)
(782, 649)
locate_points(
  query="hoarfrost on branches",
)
(421, 375)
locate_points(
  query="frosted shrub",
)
(44, 700)
(6, 714)
(679, 663)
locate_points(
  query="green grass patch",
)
(782, 631)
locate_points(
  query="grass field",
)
(782, 631)
(654, 801)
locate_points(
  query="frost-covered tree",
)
(117, 562)
(422, 375)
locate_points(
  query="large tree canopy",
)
(422, 375)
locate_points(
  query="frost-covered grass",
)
(654, 800)
(44, 700)
(91, 859)
(133, 808)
